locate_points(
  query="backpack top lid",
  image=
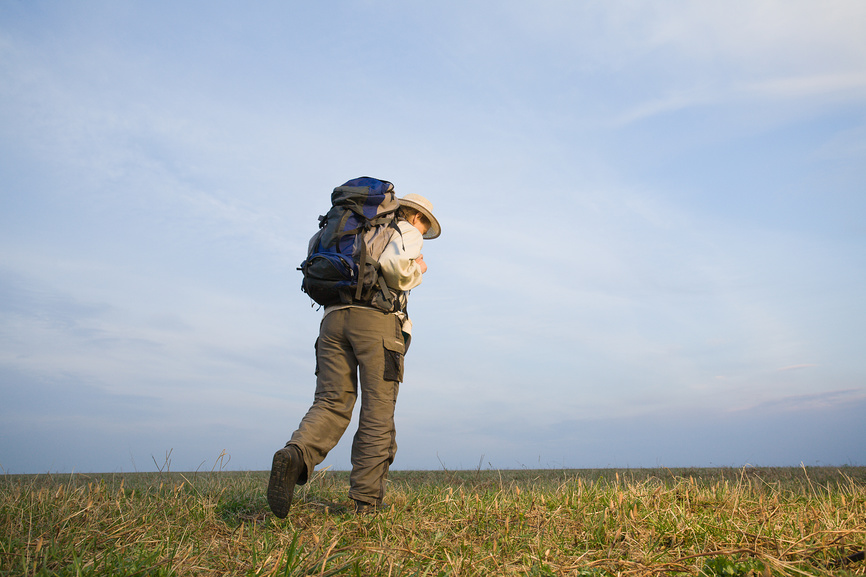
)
(373, 195)
(376, 186)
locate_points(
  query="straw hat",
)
(425, 207)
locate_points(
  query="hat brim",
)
(435, 230)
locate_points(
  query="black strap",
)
(362, 263)
(395, 224)
(386, 291)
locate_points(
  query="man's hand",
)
(420, 262)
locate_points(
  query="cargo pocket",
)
(394, 350)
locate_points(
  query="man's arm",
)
(402, 263)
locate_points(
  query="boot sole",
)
(280, 489)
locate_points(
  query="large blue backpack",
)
(342, 264)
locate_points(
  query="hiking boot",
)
(362, 508)
(285, 472)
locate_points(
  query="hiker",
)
(358, 340)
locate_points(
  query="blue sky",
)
(653, 249)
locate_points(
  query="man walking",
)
(359, 343)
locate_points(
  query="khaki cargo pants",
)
(355, 342)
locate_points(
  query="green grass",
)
(711, 522)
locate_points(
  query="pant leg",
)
(336, 391)
(378, 344)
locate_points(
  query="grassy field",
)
(753, 521)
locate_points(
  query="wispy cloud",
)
(841, 85)
(796, 367)
(678, 101)
(809, 402)
(834, 87)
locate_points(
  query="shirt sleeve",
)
(397, 262)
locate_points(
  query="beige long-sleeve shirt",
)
(397, 262)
